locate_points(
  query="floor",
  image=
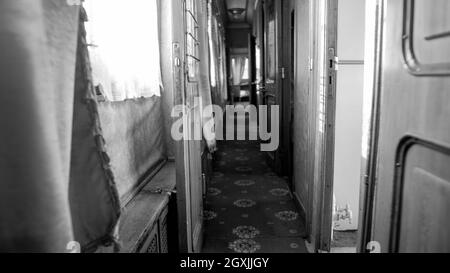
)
(249, 209)
(344, 239)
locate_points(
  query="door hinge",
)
(283, 73)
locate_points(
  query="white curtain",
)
(218, 58)
(212, 24)
(238, 69)
(124, 47)
(206, 79)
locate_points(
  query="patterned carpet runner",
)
(249, 209)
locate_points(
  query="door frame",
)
(369, 186)
(273, 158)
(326, 180)
(252, 67)
(286, 91)
(184, 148)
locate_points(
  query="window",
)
(192, 42)
(258, 64)
(426, 30)
(212, 37)
(271, 42)
(240, 69)
(124, 48)
(245, 77)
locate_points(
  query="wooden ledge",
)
(142, 213)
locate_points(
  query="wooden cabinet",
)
(156, 240)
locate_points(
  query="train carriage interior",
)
(224, 126)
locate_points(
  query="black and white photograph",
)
(225, 132)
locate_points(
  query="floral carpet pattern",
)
(249, 208)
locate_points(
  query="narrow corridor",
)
(249, 209)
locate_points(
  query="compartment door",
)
(412, 189)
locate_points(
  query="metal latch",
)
(336, 63)
(161, 191)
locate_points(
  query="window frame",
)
(192, 41)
